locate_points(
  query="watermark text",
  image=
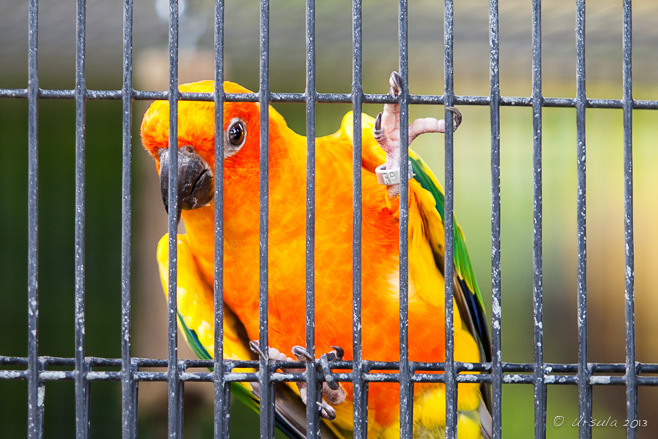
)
(609, 422)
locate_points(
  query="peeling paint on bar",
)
(599, 380)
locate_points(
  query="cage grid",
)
(38, 370)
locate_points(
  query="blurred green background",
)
(605, 239)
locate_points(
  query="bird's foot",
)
(387, 135)
(332, 392)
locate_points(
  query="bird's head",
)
(196, 142)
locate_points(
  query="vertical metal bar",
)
(267, 390)
(42, 395)
(450, 373)
(174, 424)
(312, 419)
(221, 401)
(537, 102)
(134, 385)
(584, 389)
(496, 280)
(227, 410)
(629, 287)
(34, 403)
(181, 388)
(128, 403)
(81, 385)
(360, 403)
(406, 388)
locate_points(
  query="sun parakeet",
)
(333, 253)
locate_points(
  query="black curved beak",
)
(195, 180)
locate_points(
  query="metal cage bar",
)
(222, 388)
(34, 385)
(496, 274)
(265, 383)
(449, 271)
(537, 246)
(128, 384)
(174, 383)
(313, 386)
(560, 373)
(584, 388)
(81, 385)
(406, 386)
(82, 370)
(629, 287)
(360, 387)
(334, 98)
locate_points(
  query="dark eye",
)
(236, 132)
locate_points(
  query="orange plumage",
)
(333, 247)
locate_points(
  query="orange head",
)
(196, 142)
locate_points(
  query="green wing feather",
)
(193, 340)
(238, 390)
(463, 267)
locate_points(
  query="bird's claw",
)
(326, 370)
(456, 117)
(302, 354)
(254, 345)
(395, 81)
(332, 391)
(338, 352)
(377, 130)
(386, 132)
(326, 411)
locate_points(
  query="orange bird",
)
(333, 253)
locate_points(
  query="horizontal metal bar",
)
(334, 98)
(550, 368)
(515, 378)
(185, 364)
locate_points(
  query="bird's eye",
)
(236, 133)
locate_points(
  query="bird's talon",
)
(255, 347)
(326, 370)
(456, 118)
(331, 389)
(327, 411)
(302, 353)
(377, 131)
(340, 352)
(396, 84)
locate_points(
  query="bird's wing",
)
(196, 317)
(468, 296)
(426, 223)
(467, 292)
(196, 320)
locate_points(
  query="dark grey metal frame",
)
(129, 370)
